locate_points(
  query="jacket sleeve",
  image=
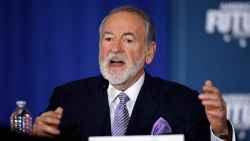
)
(197, 125)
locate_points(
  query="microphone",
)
(105, 84)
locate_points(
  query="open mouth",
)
(116, 63)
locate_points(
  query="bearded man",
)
(126, 100)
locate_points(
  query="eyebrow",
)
(128, 33)
(107, 33)
(124, 34)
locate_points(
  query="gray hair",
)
(149, 25)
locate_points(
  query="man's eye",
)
(107, 39)
(129, 41)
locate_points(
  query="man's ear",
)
(150, 52)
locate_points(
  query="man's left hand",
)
(215, 108)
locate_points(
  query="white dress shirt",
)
(132, 93)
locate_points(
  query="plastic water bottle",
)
(21, 119)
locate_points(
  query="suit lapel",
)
(100, 118)
(144, 110)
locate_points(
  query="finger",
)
(59, 110)
(211, 100)
(215, 114)
(54, 114)
(50, 114)
(211, 90)
(39, 130)
(215, 105)
(51, 121)
(211, 103)
(48, 118)
(206, 96)
(208, 83)
(47, 129)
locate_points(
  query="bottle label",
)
(22, 124)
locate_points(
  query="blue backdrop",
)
(211, 40)
(45, 43)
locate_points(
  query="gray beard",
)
(120, 77)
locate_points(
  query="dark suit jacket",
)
(86, 110)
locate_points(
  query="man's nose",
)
(117, 46)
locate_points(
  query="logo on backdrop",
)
(238, 106)
(232, 20)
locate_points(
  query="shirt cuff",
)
(215, 138)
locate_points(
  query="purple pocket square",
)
(161, 126)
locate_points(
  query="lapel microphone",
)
(105, 84)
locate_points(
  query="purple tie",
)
(121, 117)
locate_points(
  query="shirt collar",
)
(132, 91)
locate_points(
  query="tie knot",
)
(123, 98)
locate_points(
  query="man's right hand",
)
(47, 123)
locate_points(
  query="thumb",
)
(208, 83)
(59, 110)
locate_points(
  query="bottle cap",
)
(21, 103)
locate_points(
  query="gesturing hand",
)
(47, 123)
(215, 108)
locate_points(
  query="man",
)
(126, 100)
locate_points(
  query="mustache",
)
(117, 57)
